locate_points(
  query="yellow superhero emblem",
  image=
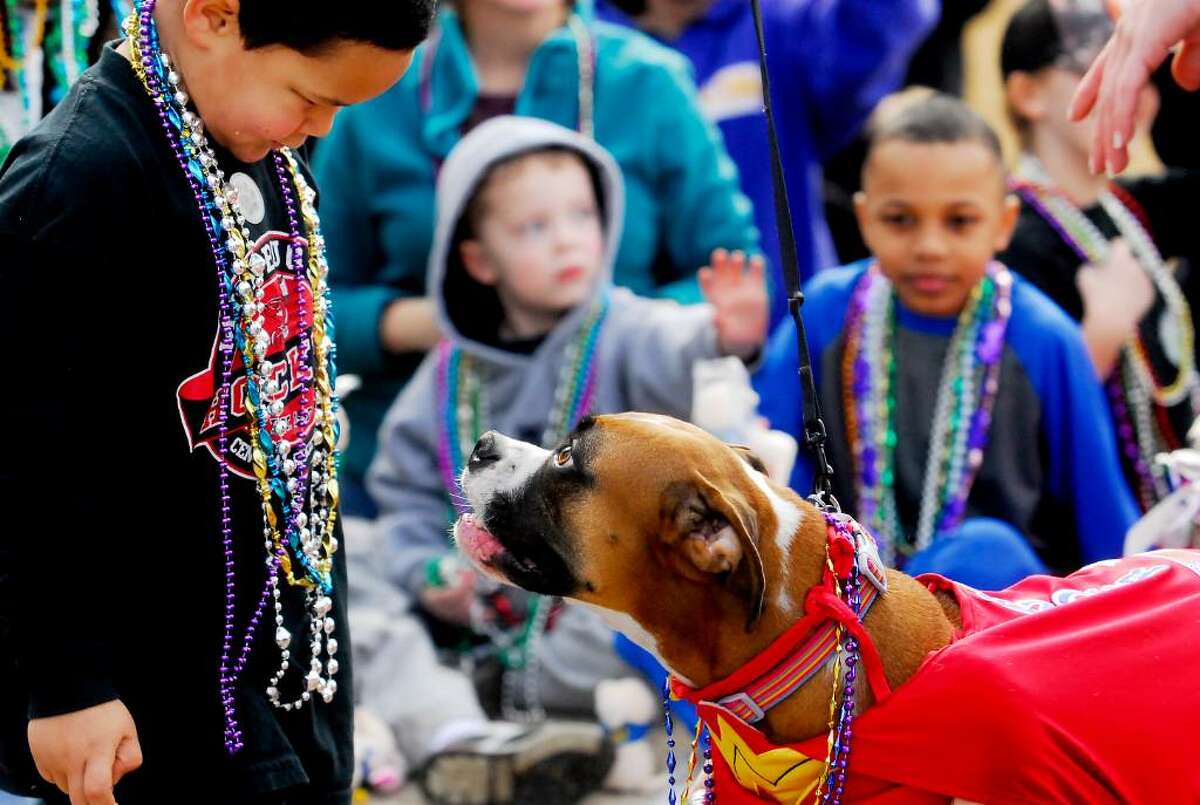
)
(778, 774)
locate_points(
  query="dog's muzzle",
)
(510, 531)
(498, 466)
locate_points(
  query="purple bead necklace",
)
(703, 738)
(220, 212)
(832, 785)
(962, 411)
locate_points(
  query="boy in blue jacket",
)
(966, 425)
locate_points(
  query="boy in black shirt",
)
(1099, 248)
(171, 578)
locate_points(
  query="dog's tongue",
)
(475, 540)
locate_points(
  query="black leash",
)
(814, 426)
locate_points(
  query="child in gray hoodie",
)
(535, 338)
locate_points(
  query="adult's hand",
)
(1143, 38)
(85, 753)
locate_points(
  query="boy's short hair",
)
(309, 26)
(932, 119)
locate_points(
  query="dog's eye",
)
(562, 456)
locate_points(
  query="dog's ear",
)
(710, 532)
(750, 458)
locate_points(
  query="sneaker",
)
(548, 763)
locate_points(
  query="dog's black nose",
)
(485, 452)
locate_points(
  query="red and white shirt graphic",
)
(197, 396)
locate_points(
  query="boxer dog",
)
(685, 546)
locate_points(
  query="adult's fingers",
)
(1099, 154)
(1123, 121)
(1088, 90)
(1140, 42)
(1104, 148)
(1185, 67)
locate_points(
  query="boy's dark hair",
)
(936, 118)
(633, 8)
(309, 26)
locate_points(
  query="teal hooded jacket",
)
(378, 167)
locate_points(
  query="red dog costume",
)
(1082, 689)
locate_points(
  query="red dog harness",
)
(809, 644)
(797, 655)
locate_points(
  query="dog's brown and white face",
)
(647, 517)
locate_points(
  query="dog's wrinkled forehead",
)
(648, 447)
(631, 459)
(665, 504)
(618, 456)
(618, 494)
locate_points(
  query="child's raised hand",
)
(739, 293)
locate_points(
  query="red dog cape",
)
(1080, 689)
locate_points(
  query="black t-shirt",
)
(112, 542)
(1041, 255)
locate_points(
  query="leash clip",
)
(825, 501)
(815, 434)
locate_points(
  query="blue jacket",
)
(1051, 466)
(830, 62)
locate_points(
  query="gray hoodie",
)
(644, 357)
(645, 351)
